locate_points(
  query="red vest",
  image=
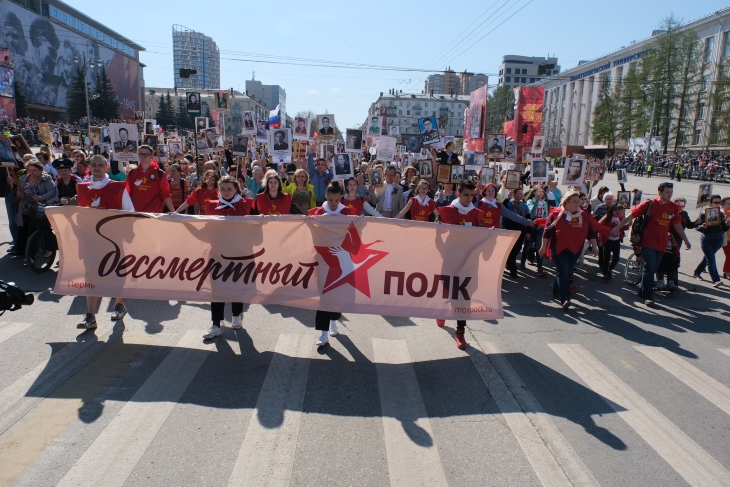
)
(451, 215)
(490, 215)
(419, 212)
(109, 197)
(345, 211)
(240, 208)
(279, 206)
(355, 205)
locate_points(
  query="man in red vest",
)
(148, 185)
(102, 193)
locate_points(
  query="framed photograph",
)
(193, 102)
(176, 148)
(621, 176)
(240, 145)
(402, 150)
(326, 126)
(57, 140)
(376, 177)
(386, 149)
(457, 174)
(429, 129)
(342, 166)
(538, 170)
(475, 121)
(471, 172)
(514, 180)
(393, 130)
(124, 137)
(487, 175)
(201, 143)
(495, 146)
(222, 101)
(624, 198)
(574, 172)
(162, 153)
(480, 159)
(327, 151)
(594, 171)
(300, 148)
(262, 126)
(152, 141)
(537, 144)
(7, 158)
(374, 126)
(582, 157)
(519, 167)
(424, 170)
(444, 174)
(468, 157)
(20, 144)
(249, 127)
(282, 147)
(201, 123)
(353, 140)
(74, 140)
(95, 135)
(301, 128)
(703, 194)
(210, 138)
(406, 159)
(712, 216)
(44, 131)
(637, 197)
(510, 151)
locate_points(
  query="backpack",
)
(639, 226)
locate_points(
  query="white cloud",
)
(335, 89)
(313, 92)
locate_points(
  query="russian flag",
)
(275, 118)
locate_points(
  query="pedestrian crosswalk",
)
(38, 407)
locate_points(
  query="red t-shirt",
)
(451, 215)
(202, 196)
(661, 217)
(148, 189)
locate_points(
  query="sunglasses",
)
(669, 185)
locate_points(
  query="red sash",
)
(451, 215)
(109, 197)
(240, 208)
(279, 206)
(419, 212)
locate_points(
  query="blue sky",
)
(421, 35)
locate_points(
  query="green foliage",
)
(605, 116)
(184, 119)
(165, 111)
(76, 95)
(500, 107)
(21, 102)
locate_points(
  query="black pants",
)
(512, 259)
(610, 253)
(322, 319)
(23, 236)
(460, 324)
(216, 310)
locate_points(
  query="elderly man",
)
(388, 200)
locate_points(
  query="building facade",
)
(404, 110)
(451, 83)
(269, 95)
(570, 98)
(523, 70)
(194, 50)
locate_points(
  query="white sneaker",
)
(237, 323)
(215, 331)
(333, 328)
(120, 311)
(323, 339)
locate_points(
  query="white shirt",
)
(388, 201)
(50, 169)
(126, 200)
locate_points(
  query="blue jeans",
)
(652, 258)
(710, 244)
(11, 206)
(564, 264)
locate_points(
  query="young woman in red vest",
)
(461, 211)
(326, 321)
(354, 203)
(229, 203)
(565, 233)
(421, 206)
(493, 210)
(102, 193)
(273, 200)
(207, 191)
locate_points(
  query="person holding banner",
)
(102, 193)
(273, 200)
(461, 211)
(147, 184)
(492, 210)
(229, 203)
(420, 206)
(357, 204)
(204, 194)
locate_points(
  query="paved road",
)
(610, 393)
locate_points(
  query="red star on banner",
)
(349, 263)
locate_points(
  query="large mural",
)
(43, 54)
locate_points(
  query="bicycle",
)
(632, 270)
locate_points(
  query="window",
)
(500, 72)
(508, 78)
(426, 104)
(408, 112)
(400, 103)
(704, 83)
(400, 112)
(408, 103)
(709, 44)
(524, 80)
(532, 80)
(501, 80)
(696, 138)
(524, 71)
(701, 110)
(509, 71)
(726, 41)
(418, 112)
(433, 113)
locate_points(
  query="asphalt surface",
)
(609, 393)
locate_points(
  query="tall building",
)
(269, 95)
(469, 82)
(194, 50)
(524, 70)
(451, 83)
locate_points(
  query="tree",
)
(76, 95)
(605, 115)
(687, 91)
(165, 114)
(632, 113)
(105, 103)
(720, 129)
(21, 102)
(500, 108)
(184, 119)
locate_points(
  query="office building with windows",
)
(452, 83)
(523, 70)
(194, 50)
(269, 95)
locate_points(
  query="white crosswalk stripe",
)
(267, 453)
(706, 386)
(9, 330)
(726, 351)
(114, 454)
(413, 458)
(549, 453)
(692, 462)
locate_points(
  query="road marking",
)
(413, 459)
(26, 439)
(115, 453)
(267, 452)
(50, 374)
(706, 386)
(9, 330)
(685, 456)
(726, 351)
(549, 453)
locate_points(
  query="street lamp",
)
(92, 64)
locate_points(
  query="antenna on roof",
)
(253, 75)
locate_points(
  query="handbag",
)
(639, 226)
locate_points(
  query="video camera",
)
(12, 298)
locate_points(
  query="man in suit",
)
(247, 122)
(388, 200)
(193, 102)
(124, 143)
(429, 133)
(343, 165)
(239, 145)
(495, 147)
(325, 129)
(280, 142)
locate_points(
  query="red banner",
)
(476, 120)
(527, 123)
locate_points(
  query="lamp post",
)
(92, 64)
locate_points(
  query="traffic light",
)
(186, 73)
